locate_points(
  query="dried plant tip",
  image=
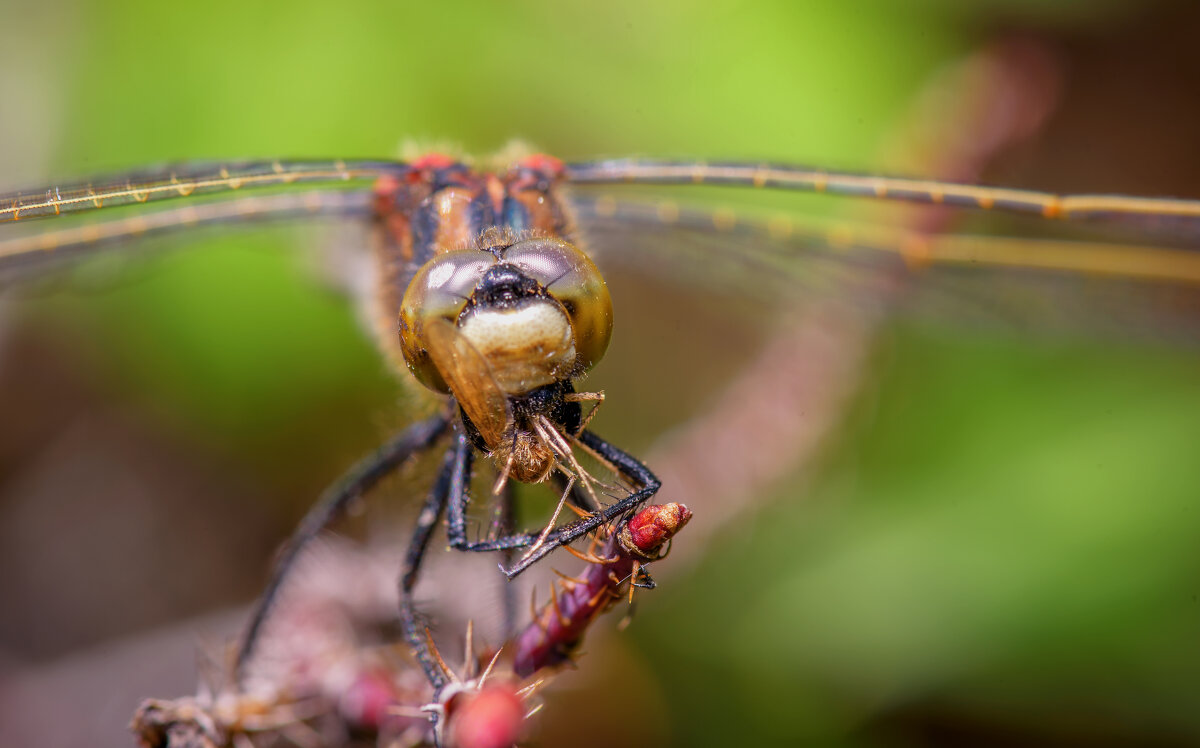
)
(164, 724)
(488, 718)
(649, 529)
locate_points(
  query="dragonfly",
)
(487, 293)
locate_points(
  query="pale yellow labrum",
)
(527, 347)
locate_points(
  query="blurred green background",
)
(997, 547)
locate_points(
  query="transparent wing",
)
(1039, 284)
(1174, 214)
(185, 180)
(39, 251)
(470, 379)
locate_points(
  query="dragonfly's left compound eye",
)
(439, 290)
(572, 279)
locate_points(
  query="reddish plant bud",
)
(489, 718)
(650, 528)
(369, 700)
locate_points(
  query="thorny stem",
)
(557, 630)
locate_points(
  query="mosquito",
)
(485, 294)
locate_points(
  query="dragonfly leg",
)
(504, 526)
(449, 489)
(460, 499)
(578, 496)
(415, 634)
(331, 505)
(629, 468)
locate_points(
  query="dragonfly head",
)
(536, 311)
(506, 330)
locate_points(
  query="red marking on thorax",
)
(433, 161)
(385, 189)
(548, 165)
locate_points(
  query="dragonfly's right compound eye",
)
(439, 290)
(570, 277)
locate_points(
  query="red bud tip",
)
(654, 525)
(491, 718)
(365, 703)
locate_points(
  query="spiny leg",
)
(629, 468)
(577, 495)
(456, 517)
(452, 489)
(550, 436)
(550, 525)
(332, 503)
(456, 523)
(586, 397)
(460, 499)
(623, 463)
(415, 634)
(504, 526)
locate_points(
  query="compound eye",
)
(571, 277)
(439, 290)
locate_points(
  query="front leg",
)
(414, 632)
(629, 468)
(626, 465)
(460, 499)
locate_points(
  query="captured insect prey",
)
(488, 292)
